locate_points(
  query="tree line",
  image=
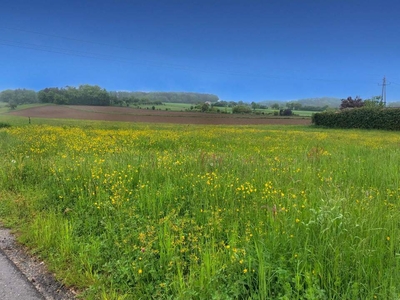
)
(165, 97)
(83, 95)
(95, 95)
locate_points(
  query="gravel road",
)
(13, 284)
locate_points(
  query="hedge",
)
(366, 118)
(4, 125)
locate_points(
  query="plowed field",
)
(127, 114)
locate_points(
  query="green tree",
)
(23, 96)
(374, 102)
(7, 96)
(290, 105)
(205, 107)
(60, 99)
(72, 94)
(93, 95)
(254, 105)
(275, 106)
(220, 104)
(12, 104)
(19, 96)
(84, 95)
(297, 106)
(165, 97)
(48, 95)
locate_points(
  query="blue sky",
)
(238, 50)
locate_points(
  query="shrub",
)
(366, 118)
(4, 125)
(205, 107)
(241, 109)
(285, 112)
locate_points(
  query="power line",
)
(85, 54)
(384, 84)
(81, 53)
(67, 38)
(82, 41)
(120, 59)
(106, 57)
(69, 52)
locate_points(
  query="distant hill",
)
(320, 102)
(165, 97)
(269, 103)
(317, 102)
(394, 104)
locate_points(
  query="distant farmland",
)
(127, 114)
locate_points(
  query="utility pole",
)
(384, 91)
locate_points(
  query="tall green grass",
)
(128, 211)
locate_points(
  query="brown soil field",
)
(127, 114)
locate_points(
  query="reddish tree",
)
(351, 103)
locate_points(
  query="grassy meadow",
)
(153, 211)
(4, 108)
